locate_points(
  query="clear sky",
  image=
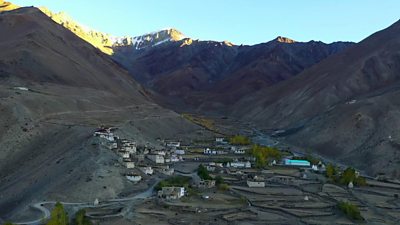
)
(238, 21)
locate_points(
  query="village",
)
(231, 173)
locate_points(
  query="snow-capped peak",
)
(150, 39)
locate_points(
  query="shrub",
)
(223, 187)
(351, 210)
(239, 140)
(176, 181)
(81, 219)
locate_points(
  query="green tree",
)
(219, 180)
(58, 215)
(8, 223)
(203, 173)
(81, 219)
(331, 171)
(348, 175)
(264, 153)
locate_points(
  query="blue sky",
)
(238, 21)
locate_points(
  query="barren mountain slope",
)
(345, 107)
(55, 90)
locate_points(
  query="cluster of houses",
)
(143, 160)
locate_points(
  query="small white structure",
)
(219, 140)
(239, 164)
(253, 183)
(239, 151)
(21, 88)
(125, 155)
(96, 202)
(171, 193)
(130, 165)
(306, 198)
(351, 185)
(208, 151)
(175, 144)
(175, 158)
(146, 170)
(315, 168)
(134, 177)
(179, 151)
(158, 159)
(210, 168)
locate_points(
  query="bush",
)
(239, 140)
(223, 187)
(81, 219)
(176, 181)
(351, 210)
(203, 173)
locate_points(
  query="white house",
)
(129, 164)
(208, 151)
(252, 183)
(238, 164)
(175, 158)
(175, 144)
(219, 140)
(146, 170)
(239, 151)
(171, 193)
(134, 177)
(179, 151)
(159, 159)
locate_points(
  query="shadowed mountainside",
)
(209, 75)
(345, 107)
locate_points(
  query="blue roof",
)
(297, 162)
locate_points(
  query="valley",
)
(163, 128)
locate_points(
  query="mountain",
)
(55, 90)
(150, 39)
(345, 107)
(6, 6)
(207, 75)
(98, 39)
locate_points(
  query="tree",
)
(219, 180)
(58, 215)
(348, 176)
(203, 173)
(264, 153)
(8, 223)
(81, 219)
(331, 171)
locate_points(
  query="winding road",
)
(46, 212)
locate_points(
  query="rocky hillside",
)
(55, 90)
(346, 107)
